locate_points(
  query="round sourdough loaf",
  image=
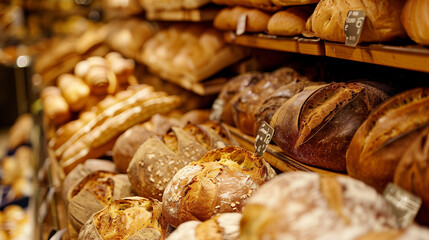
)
(219, 182)
(382, 22)
(316, 125)
(412, 173)
(383, 138)
(303, 205)
(225, 226)
(133, 218)
(415, 19)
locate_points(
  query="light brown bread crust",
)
(227, 19)
(289, 22)
(219, 182)
(416, 20)
(381, 141)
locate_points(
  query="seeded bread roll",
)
(225, 226)
(316, 125)
(93, 193)
(133, 218)
(412, 172)
(309, 206)
(289, 22)
(382, 22)
(220, 182)
(383, 138)
(227, 19)
(416, 20)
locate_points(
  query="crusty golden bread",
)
(416, 20)
(55, 106)
(219, 182)
(74, 91)
(289, 22)
(227, 19)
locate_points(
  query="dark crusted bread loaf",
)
(381, 141)
(218, 183)
(316, 126)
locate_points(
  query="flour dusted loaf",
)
(189, 52)
(220, 182)
(385, 136)
(93, 193)
(316, 125)
(289, 22)
(416, 20)
(382, 22)
(157, 160)
(412, 172)
(224, 226)
(227, 19)
(303, 205)
(133, 218)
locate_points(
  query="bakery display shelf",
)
(407, 57)
(301, 45)
(276, 157)
(204, 88)
(191, 15)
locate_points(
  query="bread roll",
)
(382, 22)
(416, 20)
(293, 2)
(129, 218)
(93, 193)
(74, 90)
(121, 67)
(20, 131)
(261, 4)
(412, 172)
(55, 106)
(256, 20)
(383, 138)
(225, 226)
(219, 182)
(157, 5)
(316, 125)
(303, 205)
(231, 90)
(289, 22)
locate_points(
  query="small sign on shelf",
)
(263, 138)
(353, 26)
(241, 24)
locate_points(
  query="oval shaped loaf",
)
(302, 205)
(316, 125)
(416, 20)
(219, 182)
(383, 138)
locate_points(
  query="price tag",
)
(404, 204)
(241, 24)
(263, 138)
(353, 26)
(56, 235)
(217, 110)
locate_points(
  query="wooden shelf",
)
(412, 57)
(293, 44)
(276, 157)
(193, 15)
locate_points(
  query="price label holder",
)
(217, 110)
(263, 138)
(241, 24)
(404, 204)
(353, 26)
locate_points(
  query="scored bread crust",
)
(219, 182)
(293, 203)
(382, 22)
(381, 141)
(316, 125)
(128, 218)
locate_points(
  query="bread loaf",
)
(412, 172)
(158, 5)
(266, 5)
(225, 226)
(219, 182)
(96, 73)
(55, 106)
(416, 20)
(316, 125)
(227, 19)
(382, 22)
(129, 218)
(74, 91)
(293, 2)
(303, 205)
(93, 193)
(289, 22)
(383, 138)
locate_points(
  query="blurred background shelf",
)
(193, 15)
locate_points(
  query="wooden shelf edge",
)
(276, 157)
(414, 58)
